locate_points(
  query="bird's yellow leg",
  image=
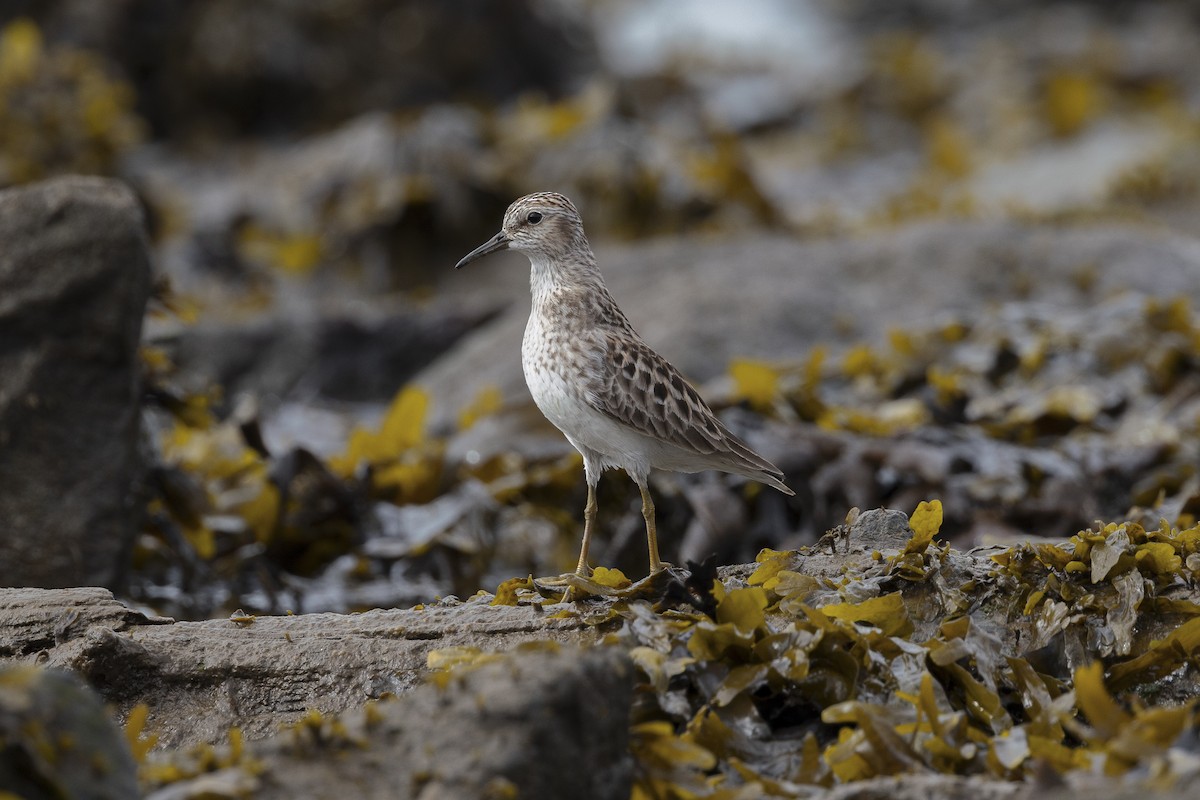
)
(589, 522)
(656, 564)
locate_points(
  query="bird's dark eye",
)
(534, 217)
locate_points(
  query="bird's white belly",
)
(582, 424)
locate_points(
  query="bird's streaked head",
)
(544, 226)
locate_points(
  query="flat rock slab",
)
(199, 679)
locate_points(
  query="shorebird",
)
(618, 402)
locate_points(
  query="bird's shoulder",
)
(588, 309)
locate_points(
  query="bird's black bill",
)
(497, 242)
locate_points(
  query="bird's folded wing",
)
(639, 388)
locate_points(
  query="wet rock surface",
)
(74, 281)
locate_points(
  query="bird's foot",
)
(657, 582)
(662, 566)
(562, 588)
(574, 586)
(609, 584)
(555, 583)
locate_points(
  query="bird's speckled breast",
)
(556, 385)
(553, 368)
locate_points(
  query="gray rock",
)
(537, 723)
(74, 280)
(546, 718)
(59, 741)
(881, 529)
(201, 678)
(35, 621)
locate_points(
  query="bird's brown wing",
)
(640, 389)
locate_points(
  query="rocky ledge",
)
(738, 677)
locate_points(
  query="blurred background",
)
(936, 248)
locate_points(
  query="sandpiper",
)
(619, 403)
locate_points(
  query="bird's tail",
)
(741, 460)
(774, 480)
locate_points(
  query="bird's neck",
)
(551, 276)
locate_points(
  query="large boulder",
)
(74, 280)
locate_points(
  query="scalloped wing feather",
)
(641, 390)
